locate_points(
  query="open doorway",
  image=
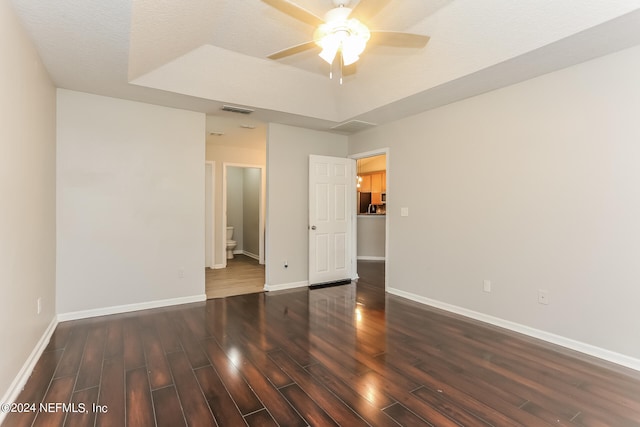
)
(372, 230)
(242, 211)
(242, 228)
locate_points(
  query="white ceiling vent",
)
(353, 126)
(235, 109)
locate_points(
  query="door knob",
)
(313, 227)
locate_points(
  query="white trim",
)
(20, 380)
(117, 309)
(284, 286)
(238, 252)
(371, 258)
(591, 350)
(211, 262)
(219, 266)
(250, 255)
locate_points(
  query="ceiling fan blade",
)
(295, 11)
(396, 39)
(292, 50)
(367, 9)
(350, 70)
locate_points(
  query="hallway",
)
(243, 275)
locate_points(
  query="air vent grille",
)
(353, 126)
(235, 109)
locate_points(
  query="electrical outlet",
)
(543, 296)
(486, 285)
(39, 306)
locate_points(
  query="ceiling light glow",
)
(339, 34)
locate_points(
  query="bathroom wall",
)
(251, 211)
(235, 202)
(243, 208)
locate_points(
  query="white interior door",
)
(331, 213)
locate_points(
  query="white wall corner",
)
(251, 255)
(588, 349)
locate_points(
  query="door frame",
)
(362, 155)
(210, 199)
(261, 224)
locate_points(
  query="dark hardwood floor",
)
(346, 355)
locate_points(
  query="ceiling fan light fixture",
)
(349, 36)
(353, 46)
(330, 45)
(339, 34)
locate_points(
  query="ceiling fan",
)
(341, 34)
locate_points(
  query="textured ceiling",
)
(198, 54)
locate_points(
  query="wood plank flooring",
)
(347, 355)
(243, 275)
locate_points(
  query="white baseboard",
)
(370, 258)
(591, 350)
(25, 372)
(251, 255)
(284, 286)
(105, 311)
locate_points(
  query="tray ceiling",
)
(198, 54)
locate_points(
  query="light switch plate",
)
(404, 211)
(486, 285)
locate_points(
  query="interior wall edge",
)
(25, 372)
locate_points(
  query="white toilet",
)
(231, 244)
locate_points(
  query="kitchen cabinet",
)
(376, 198)
(365, 185)
(376, 183)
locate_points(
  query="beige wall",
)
(372, 164)
(288, 150)
(252, 183)
(235, 204)
(130, 211)
(371, 237)
(27, 192)
(534, 186)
